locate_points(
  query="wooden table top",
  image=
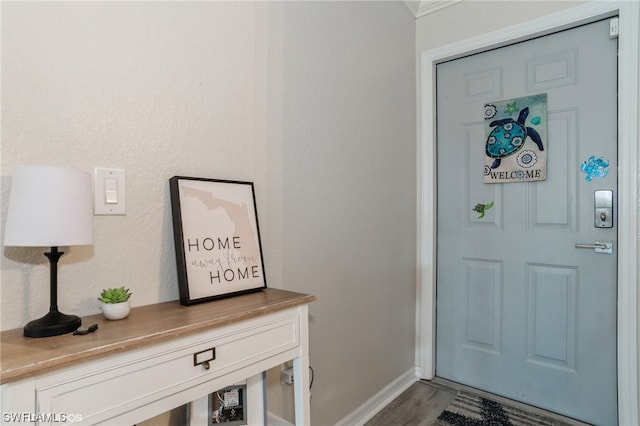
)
(22, 357)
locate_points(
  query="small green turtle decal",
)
(482, 208)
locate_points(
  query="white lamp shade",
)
(49, 207)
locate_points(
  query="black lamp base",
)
(52, 324)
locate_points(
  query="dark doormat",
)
(472, 410)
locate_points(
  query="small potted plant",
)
(115, 303)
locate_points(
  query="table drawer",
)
(131, 380)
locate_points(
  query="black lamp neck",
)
(54, 255)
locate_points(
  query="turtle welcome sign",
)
(516, 139)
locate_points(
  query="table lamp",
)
(50, 207)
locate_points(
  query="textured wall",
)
(313, 101)
(156, 90)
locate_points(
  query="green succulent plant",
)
(114, 295)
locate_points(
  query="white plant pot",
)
(116, 311)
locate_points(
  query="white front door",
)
(523, 310)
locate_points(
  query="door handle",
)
(592, 246)
(598, 246)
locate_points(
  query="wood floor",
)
(422, 403)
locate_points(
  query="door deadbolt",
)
(603, 208)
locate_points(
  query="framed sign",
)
(516, 137)
(217, 238)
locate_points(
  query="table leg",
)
(199, 412)
(301, 391)
(256, 405)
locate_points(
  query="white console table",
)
(160, 357)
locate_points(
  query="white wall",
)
(466, 19)
(312, 101)
(349, 193)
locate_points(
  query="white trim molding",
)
(377, 402)
(628, 170)
(431, 6)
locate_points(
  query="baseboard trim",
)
(376, 403)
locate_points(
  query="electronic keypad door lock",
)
(603, 208)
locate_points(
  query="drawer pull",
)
(203, 358)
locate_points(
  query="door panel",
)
(552, 332)
(521, 312)
(559, 190)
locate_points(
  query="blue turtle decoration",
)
(509, 136)
(594, 168)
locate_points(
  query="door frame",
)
(628, 163)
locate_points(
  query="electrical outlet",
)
(229, 406)
(286, 376)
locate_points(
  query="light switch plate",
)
(104, 194)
